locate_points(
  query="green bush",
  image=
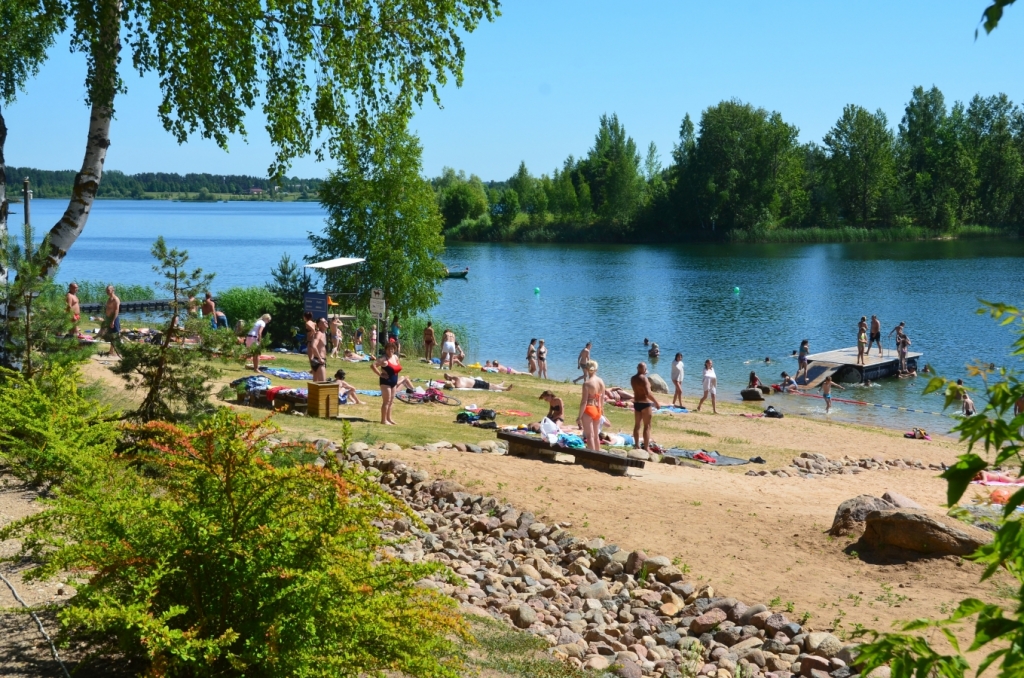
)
(246, 303)
(48, 431)
(221, 563)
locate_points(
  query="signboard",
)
(315, 303)
(377, 308)
(377, 294)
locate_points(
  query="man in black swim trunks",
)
(643, 399)
(875, 337)
(454, 381)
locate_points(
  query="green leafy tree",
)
(505, 209)
(175, 377)
(997, 158)
(861, 162)
(248, 303)
(380, 209)
(460, 198)
(998, 432)
(612, 171)
(328, 75)
(235, 557)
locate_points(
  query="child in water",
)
(826, 392)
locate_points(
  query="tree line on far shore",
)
(741, 174)
(58, 184)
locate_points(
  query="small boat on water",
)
(457, 274)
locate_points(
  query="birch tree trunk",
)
(87, 182)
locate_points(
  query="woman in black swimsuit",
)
(542, 360)
(387, 368)
(555, 406)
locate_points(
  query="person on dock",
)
(428, 341)
(710, 383)
(902, 346)
(591, 406)
(677, 380)
(542, 360)
(531, 357)
(898, 331)
(826, 392)
(74, 307)
(876, 335)
(801, 359)
(581, 362)
(643, 401)
(862, 339)
(112, 320)
(316, 350)
(556, 408)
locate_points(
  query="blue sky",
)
(538, 79)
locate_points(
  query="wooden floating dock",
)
(150, 306)
(842, 365)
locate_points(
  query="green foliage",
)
(510, 652)
(999, 429)
(29, 28)
(93, 291)
(48, 431)
(220, 563)
(175, 376)
(861, 151)
(36, 324)
(380, 209)
(992, 15)
(247, 303)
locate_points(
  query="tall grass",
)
(855, 234)
(94, 292)
(412, 331)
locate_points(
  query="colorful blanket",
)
(285, 373)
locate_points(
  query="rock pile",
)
(597, 606)
(813, 465)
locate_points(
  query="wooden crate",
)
(323, 399)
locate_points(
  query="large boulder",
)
(658, 384)
(930, 534)
(851, 514)
(900, 501)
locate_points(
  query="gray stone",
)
(658, 384)
(750, 612)
(917, 531)
(635, 562)
(624, 668)
(900, 501)
(598, 591)
(823, 644)
(445, 488)
(852, 513)
(775, 623)
(524, 616)
(809, 663)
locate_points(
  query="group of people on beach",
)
(451, 351)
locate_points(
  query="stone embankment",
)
(813, 465)
(597, 606)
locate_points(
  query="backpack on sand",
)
(771, 413)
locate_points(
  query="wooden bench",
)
(534, 447)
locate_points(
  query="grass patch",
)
(510, 652)
(735, 441)
(696, 432)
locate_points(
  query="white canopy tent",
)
(335, 263)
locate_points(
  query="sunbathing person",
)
(454, 381)
(502, 369)
(616, 394)
(989, 477)
(346, 388)
(556, 408)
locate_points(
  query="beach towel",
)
(256, 381)
(705, 457)
(516, 413)
(669, 409)
(285, 373)
(571, 441)
(368, 393)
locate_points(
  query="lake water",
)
(681, 297)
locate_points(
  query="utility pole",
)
(27, 193)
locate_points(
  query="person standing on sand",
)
(677, 380)
(581, 362)
(531, 357)
(316, 350)
(74, 307)
(643, 401)
(542, 360)
(862, 339)
(429, 341)
(387, 368)
(876, 335)
(710, 383)
(826, 392)
(591, 407)
(112, 320)
(447, 348)
(801, 360)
